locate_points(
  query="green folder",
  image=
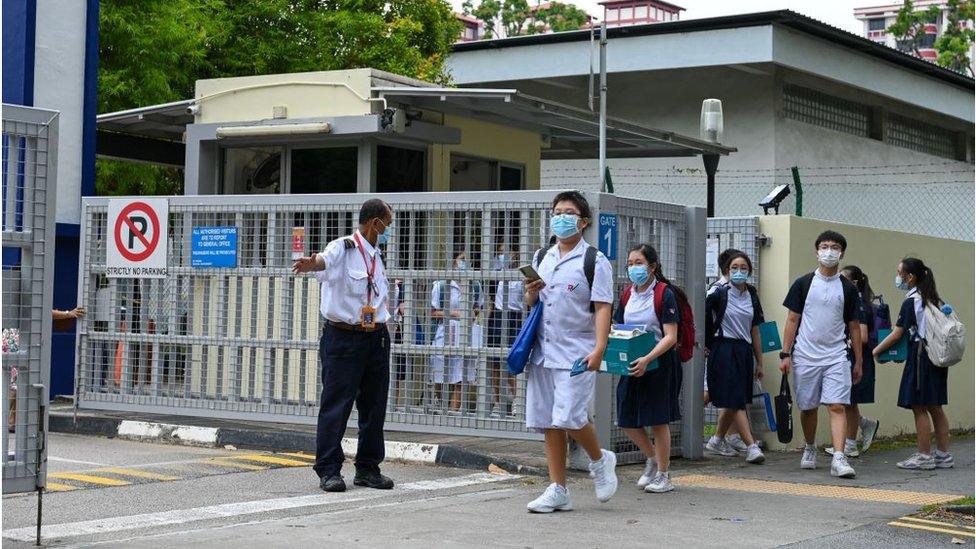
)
(769, 337)
(898, 352)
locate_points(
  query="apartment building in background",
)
(877, 19)
(621, 13)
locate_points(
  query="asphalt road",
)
(199, 497)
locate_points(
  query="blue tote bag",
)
(518, 355)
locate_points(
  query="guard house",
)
(365, 130)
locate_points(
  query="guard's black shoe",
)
(333, 483)
(373, 479)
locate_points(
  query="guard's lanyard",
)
(370, 269)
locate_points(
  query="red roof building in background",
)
(620, 13)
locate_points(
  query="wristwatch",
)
(784, 355)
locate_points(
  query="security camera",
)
(193, 109)
(774, 198)
(393, 120)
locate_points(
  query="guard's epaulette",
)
(349, 243)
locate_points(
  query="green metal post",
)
(799, 191)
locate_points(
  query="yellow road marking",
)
(274, 460)
(135, 473)
(58, 487)
(90, 479)
(932, 529)
(937, 523)
(227, 462)
(301, 455)
(813, 490)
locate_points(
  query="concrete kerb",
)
(274, 440)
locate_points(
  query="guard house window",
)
(400, 170)
(919, 136)
(814, 107)
(251, 170)
(877, 24)
(331, 170)
(477, 174)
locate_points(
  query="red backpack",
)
(686, 319)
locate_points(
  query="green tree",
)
(560, 17)
(909, 26)
(153, 52)
(517, 18)
(955, 42)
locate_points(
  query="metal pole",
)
(603, 107)
(799, 191)
(693, 415)
(711, 166)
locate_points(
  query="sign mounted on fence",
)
(138, 240)
(297, 242)
(608, 235)
(711, 258)
(213, 247)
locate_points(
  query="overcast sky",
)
(839, 13)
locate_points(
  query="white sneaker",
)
(650, 471)
(754, 454)
(809, 459)
(869, 428)
(943, 460)
(604, 473)
(918, 460)
(555, 498)
(850, 449)
(736, 443)
(720, 447)
(660, 484)
(496, 411)
(840, 468)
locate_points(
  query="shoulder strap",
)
(348, 243)
(659, 300)
(805, 282)
(757, 310)
(540, 254)
(625, 295)
(723, 303)
(589, 265)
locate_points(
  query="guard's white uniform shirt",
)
(566, 332)
(510, 296)
(737, 322)
(344, 283)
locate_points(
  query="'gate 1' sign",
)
(137, 239)
(608, 235)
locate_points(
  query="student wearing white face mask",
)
(575, 325)
(733, 316)
(821, 305)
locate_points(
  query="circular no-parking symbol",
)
(140, 220)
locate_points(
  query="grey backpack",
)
(945, 336)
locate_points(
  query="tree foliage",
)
(956, 41)
(909, 26)
(153, 51)
(516, 17)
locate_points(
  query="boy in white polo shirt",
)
(822, 311)
(575, 325)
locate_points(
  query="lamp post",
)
(711, 129)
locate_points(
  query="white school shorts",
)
(553, 400)
(816, 385)
(458, 369)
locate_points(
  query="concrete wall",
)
(488, 141)
(877, 252)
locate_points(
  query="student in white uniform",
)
(823, 309)
(503, 325)
(446, 310)
(575, 325)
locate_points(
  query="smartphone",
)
(529, 272)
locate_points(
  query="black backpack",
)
(714, 317)
(589, 264)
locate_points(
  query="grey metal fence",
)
(29, 141)
(242, 342)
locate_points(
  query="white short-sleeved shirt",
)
(437, 292)
(821, 339)
(567, 332)
(737, 322)
(919, 311)
(510, 296)
(344, 283)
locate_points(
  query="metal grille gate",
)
(243, 342)
(30, 138)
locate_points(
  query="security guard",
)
(355, 347)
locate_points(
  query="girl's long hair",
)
(924, 280)
(860, 280)
(650, 254)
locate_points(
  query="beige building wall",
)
(791, 254)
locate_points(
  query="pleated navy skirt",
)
(863, 392)
(922, 383)
(731, 370)
(652, 399)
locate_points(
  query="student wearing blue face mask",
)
(732, 318)
(651, 398)
(575, 325)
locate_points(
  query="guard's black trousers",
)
(355, 368)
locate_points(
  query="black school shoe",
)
(333, 483)
(373, 479)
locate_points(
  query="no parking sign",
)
(137, 238)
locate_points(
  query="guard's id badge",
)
(368, 318)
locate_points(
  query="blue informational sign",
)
(608, 235)
(214, 247)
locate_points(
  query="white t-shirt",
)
(821, 339)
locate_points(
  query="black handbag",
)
(784, 412)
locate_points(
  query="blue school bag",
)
(518, 355)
